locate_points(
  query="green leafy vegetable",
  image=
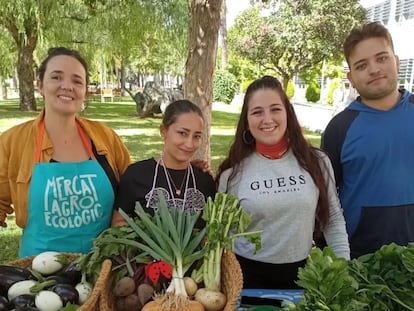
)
(380, 281)
(226, 220)
(124, 257)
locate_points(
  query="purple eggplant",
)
(59, 279)
(23, 301)
(67, 293)
(10, 275)
(4, 304)
(71, 272)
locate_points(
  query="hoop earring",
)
(246, 139)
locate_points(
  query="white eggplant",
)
(47, 300)
(21, 288)
(47, 262)
(85, 290)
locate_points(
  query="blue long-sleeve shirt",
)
(372, 153)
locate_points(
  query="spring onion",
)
(169, 235)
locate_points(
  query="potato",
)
(190, 286)
(124, 287)
(132, 303)
(145, 293)
(211, 300)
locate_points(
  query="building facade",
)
(398, 17)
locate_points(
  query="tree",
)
(295, 35)
(223, 35)
(22, 20)
(7, 63)
(201, 61)
(74, 23)
(148, 48)
(26, 21)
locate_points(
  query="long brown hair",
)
(307, 156)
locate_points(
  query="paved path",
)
(313, 117)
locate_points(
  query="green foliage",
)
(379, 281)
(290, 89)
(242, 68)
(225, 86)
(332, 68)
(332, 87)
(313, 92)
(7, 55)
(296, 35)
(244, 85)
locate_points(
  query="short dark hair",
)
(57, 51)
(177, 108)
(364, 32)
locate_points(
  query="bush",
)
(244, 85)
(225, 86)
(290, 89)
(313, 92)
(332, 87)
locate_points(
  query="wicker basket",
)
(92, 303)
(231, 280)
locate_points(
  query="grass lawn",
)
(141, 136)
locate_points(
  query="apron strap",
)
(39, 140)
(85, 141)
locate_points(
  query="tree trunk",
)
(25, 72)
(201, 60)
(223, 35)
(2, 88)
(123, 78)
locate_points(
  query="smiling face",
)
(374, 69)
(266, 116)
(63, 85)
(182, 139)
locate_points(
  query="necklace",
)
(177, 190)
(176, 202)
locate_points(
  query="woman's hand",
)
(117, 219)
(203, 165)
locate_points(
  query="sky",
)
(367, 3)
(234, 7)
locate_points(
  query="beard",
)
(376, 93)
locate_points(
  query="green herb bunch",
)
(381, 281)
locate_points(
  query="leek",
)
(169, 235)
(226, 220)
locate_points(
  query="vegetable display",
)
(49, 284)
(380, 281)
(169, 236)
(156, 258)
